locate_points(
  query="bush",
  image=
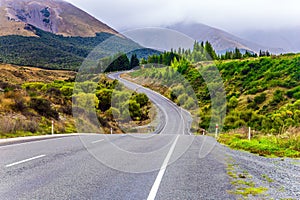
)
(190, 103)
(112, 114)
(54, 92)
(67, 91)
(233, 102)
(141, 99)
(135, 110)
(19, 105)
(43, 107)
(260, 98)
(293, 92)
(278, 96)
(67, 109)
(104, 97)
(182, 99)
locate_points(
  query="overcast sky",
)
(230, 15)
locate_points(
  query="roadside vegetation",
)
(270, 145)
(29, 107)
(261, 93)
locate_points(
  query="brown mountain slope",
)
(55, 16)
(17, 75)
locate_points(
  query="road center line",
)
(23, 161)
(97, 141)
(161, 172)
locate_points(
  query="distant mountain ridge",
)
(222, 41)
(55, 16)
(287, 38)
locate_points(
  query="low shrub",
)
(43, 107)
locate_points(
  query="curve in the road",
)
(176, 120)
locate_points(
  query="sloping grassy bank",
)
(284, 145)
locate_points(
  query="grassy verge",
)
(285, 145)
(15, 127)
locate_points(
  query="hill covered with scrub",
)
(262, 93)
(30, 98)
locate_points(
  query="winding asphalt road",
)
(170, 165)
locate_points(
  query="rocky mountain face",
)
(55, 16)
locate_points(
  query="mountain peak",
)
(55, 16)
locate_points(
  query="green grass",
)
(254, 191)
(267, 178)
(17, 134)
(242, 183)
(264, 145)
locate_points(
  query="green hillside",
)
(263, 92)
(52, 51)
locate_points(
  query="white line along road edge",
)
(97, 141)
(23, 161)
(161, 172)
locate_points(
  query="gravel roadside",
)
(279, 176)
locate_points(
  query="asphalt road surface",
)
(169, 164)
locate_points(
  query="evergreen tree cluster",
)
(165, 58)
(264, 53)
(237, 54)
(200, 52)
(119, 62)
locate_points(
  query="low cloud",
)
(230, 15)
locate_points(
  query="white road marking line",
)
(23, 161)
(97, 141)
(31, 142)
(161, 172)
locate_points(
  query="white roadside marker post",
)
(111, 131)
(52, 128)
(217, 128)
(249, 134)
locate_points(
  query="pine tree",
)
(210, 51)
(134, 61)
(237, 54)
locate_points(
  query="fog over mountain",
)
(225, 28)
(288, 39)
(268, 24)
(221, 40)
